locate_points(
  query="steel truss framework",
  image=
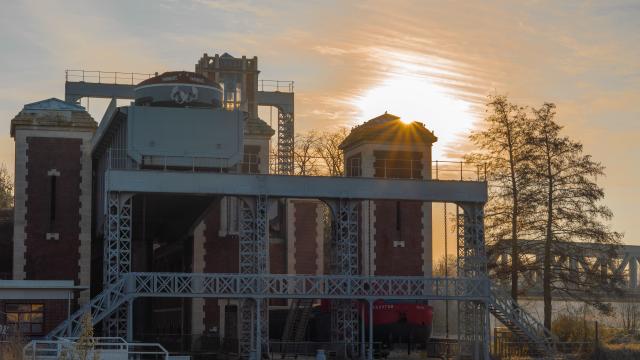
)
(117, 255)
(254, 259)
(271, 286)
(254, 285)
(344, 256)
(285, 142)
(473, 316)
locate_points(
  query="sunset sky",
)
(429, 61)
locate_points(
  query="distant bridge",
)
(618, 264)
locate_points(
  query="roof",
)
(258, 127)
(182, 77)
(54, 113)
(38, 289)
(389, 129)
(52, 104)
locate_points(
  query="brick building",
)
(58, 233)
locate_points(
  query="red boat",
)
(393, 321)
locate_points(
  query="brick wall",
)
(221, 256)
(6, 243)
(398, 221)
(53, 259)
(305, 237)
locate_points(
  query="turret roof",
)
(389, 129)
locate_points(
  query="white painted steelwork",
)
(271, 286)
(141, 181)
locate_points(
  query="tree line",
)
(316, 153)
(542, 186)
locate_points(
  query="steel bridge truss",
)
(254, 287)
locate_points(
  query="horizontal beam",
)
(271, 286)
(275, 286)
(76, 90)
(316, 187)
(281, 100)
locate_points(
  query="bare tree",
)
(6, 188)
(505, 151)
(630, 314)
(570, 214)
(84, 347)
(446, 266)
(328, 149)
(305, 156)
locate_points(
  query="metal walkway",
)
(241, 286)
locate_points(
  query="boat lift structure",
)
(254, 285)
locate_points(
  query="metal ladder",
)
(521, 323)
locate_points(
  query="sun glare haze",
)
(419, 92)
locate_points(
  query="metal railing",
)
(284, 349)
(276, 85)
(502, 305)
(54, 349)
(275, 286)
(120, 159)
(106, 77)
(383, 168)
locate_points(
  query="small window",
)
(354, 166)
(52, 199)
(29, 318)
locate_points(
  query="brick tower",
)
(52, 228)
(386, 147)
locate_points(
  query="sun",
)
(414, 96)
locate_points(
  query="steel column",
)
(285, 142)
(117, 255)
(472, 263)
(254, 259)
(344, 313)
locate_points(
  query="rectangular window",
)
(251, 160)
(29, 318)
(354, 166)
(52, 200)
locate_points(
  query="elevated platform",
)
(317, 187)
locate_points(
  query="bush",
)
(571, 328)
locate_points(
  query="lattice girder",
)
(254, 259)
(117, 255)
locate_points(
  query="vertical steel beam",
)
(285, 142)
(254, 259)
(344, 313)
(117, 255)
(472, 262)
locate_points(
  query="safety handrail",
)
(530, 325)
(106, 77)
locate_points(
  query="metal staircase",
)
(297, 320)
(520, 323)
(99, 307)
